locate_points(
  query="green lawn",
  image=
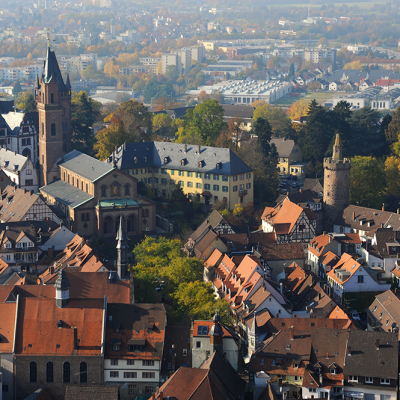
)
(321, 97)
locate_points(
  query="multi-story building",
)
(129, 37)
(168, 60)
(19, 132)
(198, 53)
(134, 347)
(209, 174)
(316, 55)
(290, 157)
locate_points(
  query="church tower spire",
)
(53, 101)
(122, 248)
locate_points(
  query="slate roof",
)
(10, 160)
(40, 394)
(316, 185)
(154, 154)
(302, 197)
(52, 70)
(85, 166)
(283, 146)
(238, 110)
(67, 194)
(92, 392)
(283, 251)
(366, 360)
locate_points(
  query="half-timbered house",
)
(290, 222)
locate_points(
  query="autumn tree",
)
(393, 129)
(298, 109)
(392, 174)
(26, 101)
(161, 121)
(279, 121)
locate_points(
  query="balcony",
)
(242, 192)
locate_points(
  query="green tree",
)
(172, 73)
(367, 182)
(291, 71)
(205, 121)
(392, 173)
(393, 129)
(26, 101)
(196, 300)
(84, 113)
(280, 123)
(17, 88)
(161, 121)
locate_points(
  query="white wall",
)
(59, 239)
(138, 367)
(8, 377)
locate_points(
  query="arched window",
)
(83, 372)
(64, 176)
(103, 191)
(32, 371)
(87, 217)
(115, 189)
(77, 183)
(66, 372)
(73, 181)
(126, 190)
(42, 128)
(53, 129)
(131, 223)
(49, 372)
(52, 98)
(83, 215)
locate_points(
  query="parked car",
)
(282, 176)
(355, 316)
(294, 184)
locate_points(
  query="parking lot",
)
(289, 184)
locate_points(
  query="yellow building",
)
(210, 174)
(290, 157)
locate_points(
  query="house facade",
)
(209, 174)
(290, 157)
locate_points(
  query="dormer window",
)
(201, 164)
(135, 160)
(218, 165)
(332, 371)
(295, 365)
(166, 160)
(8, 245)
(145, 159)
(183, 162)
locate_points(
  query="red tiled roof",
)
(38, 331)
(92, 265)
(213, 259)
(346, 262)
(209, 324)
(7, 318)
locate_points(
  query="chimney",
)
(300, 190)
(377, 344)
(277, 315)
(292, 333)
(199, 150)
(124, 146)
(51, 270)
(283, 139)
(353, 214)
(349, 351)
(160, 395)
(281, 288)
(185, 148)
(321, 377)
(383, 207)
(75, 338)
(50, 253)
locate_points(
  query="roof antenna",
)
(48, 37)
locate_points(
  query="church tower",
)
(53, 101)
(122, 248)
(336, 184)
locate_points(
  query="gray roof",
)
(85, 166)
(283, 146)
(366, 360)
(9, 159)
(66, 193)
(356, 75)
(154, 154)
(238, 110)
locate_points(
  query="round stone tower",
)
(336, 184)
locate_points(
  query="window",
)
(32, 372)
(248, 176)
(296, 378)
(163, 171)
(131, 389)
(235, 188)
(149, 389)
(224, 188)
(42, 129)
(198, 185)
(53, 129)
(144, 180)
(150, 180)
(190, 174)
(114, 362)
(248, 185)
(181, 183)
(130, 362)
(235, 178)
(360, 279)
(148, 363)
(148, 375)
(216, 177)
(114, 374)
(181, 173)
(353, 378)
(126, 187)
(155, 180)
(198, 175)
(28, 182)
(225, 178)
(189, 184)
(116, 347)
(83, 372)
(198, 346)
(184, 352)
(49, 372)
(52, 98)
(369, 379)
(103, 191)
(130, 375)
(312, 390)
(385, 381)
(206, 186)
(206, 176)
(5, 388)
(332, 371)
(295, 366)
(241, 177)
(66, 372)
(216, 188)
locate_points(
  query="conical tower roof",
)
(52, 70)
